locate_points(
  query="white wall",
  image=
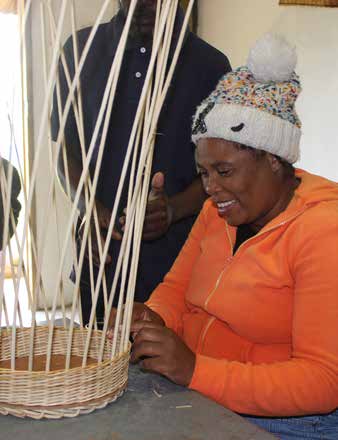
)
(233, 26)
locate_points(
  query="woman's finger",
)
(145, 349)
(154, 365)
(137, 326)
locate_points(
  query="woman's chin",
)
(230, 217)
(232, 222)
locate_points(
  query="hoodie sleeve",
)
(168, 299)
(308, 382)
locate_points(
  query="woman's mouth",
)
(225, 207)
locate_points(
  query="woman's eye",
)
(203, 173)
(224, 173)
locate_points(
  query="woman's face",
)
(245, 188)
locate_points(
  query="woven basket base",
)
(60, 391)
(39, 413)
(58, 362)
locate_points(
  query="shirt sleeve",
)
(168, 299)
(66, 71)
(308, 382)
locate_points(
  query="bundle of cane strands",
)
(63, 368)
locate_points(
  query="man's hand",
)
(104, 216)
(160, 350)
(159, 213)
(141, 313)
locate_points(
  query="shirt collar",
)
(116, 25)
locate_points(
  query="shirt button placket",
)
(138, 74)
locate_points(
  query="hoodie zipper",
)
(229, 259)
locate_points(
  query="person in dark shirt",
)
(176, 191)
(15, 204)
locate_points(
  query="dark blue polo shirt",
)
(199, 68)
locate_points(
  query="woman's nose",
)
(211, 186)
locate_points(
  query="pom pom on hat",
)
(254, 105)
(272, 59)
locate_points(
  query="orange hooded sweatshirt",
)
(263, 322)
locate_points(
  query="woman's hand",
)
(160, 350)
(141, 313)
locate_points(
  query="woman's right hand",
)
(141, 314)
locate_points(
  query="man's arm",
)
(70, 177)
(69, 182)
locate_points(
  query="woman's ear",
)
(274, 163)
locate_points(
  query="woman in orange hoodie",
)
(248, 314)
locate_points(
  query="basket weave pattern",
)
(83, 389)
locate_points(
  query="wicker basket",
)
(59, 393)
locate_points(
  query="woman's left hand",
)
(160, 350)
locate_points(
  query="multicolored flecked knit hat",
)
(254, 105)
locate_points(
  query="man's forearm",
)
(69, 178)
(70, 183)
(188, 202)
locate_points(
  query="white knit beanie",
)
(255, 104)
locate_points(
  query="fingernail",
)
(110, 333)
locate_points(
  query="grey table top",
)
(152, 409)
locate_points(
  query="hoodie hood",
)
(311, 191)
(315, 189)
